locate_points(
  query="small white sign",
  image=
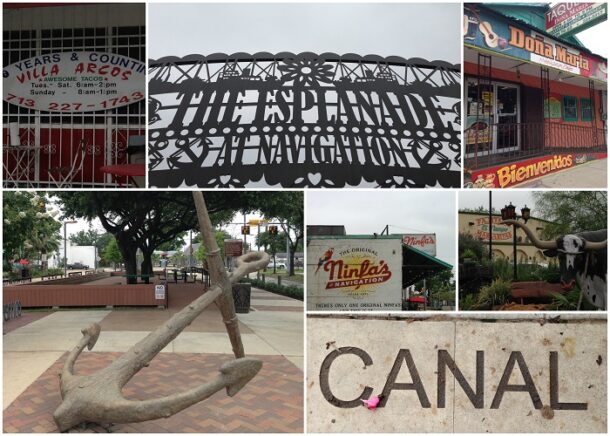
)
(159, 292)
(74, 82)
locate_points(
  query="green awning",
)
(417, 265)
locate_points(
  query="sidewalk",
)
(592, 174)
(272, 331)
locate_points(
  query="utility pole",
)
(191, 247)
(287, 252)
(245, 241)
(490, 225)
(66, 247)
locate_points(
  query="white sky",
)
(367, 212)
(473, 198)
(596, 39)
(431, 31)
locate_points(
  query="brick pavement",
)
(272, 402)
(24, 319)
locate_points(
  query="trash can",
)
(241, 297)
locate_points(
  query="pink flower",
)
(372, 402)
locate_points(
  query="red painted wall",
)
(561, 134)
(69, 139)
(562, 88)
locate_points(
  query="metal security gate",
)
(57, 150)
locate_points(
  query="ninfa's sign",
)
(425, 242)
(354, 274)
(457, 375)
(74, 82)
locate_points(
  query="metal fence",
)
(489, 144)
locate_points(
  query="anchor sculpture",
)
(98, 398)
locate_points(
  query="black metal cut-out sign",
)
(303, 120)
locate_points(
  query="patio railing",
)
(521, 140)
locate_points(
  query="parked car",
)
(278, 265)
(77, 265)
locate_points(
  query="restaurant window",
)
(585, 109)
(570, 108)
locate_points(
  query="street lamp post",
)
(509, 213)
(191, 248)
(66, 247)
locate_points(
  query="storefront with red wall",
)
(56, 136)
(533, 104)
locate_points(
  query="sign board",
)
(258, 222)
(499, 232)
(159, 292)
(503, 176)
(303, 120)
(490, 32)
(457, 375)
(74, 82)
(354, 274)
(564, 19)
(234, 247)
(425, 242)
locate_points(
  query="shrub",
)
(467, 242)
(288, 291)
(468, 302)
(494, 294)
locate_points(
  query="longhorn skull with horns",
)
(98, 397)
(582, 259)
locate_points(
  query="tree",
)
(112, 253)
(468, 243)
(287, 207)
(29, 231)
(220, 236)
(571, 211)
(147, 219)
(271, 243)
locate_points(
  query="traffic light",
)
(245, 230)
(272, 230)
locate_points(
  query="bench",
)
(145, 277)
(534, 290)
(52, 276)
(205, 275)
(17, 281)
(76, 273)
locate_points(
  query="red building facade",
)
(533, 103)
(74, 83)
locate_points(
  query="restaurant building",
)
(476, 224)
(73, 91)
(534, 102)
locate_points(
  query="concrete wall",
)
(517, 374)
